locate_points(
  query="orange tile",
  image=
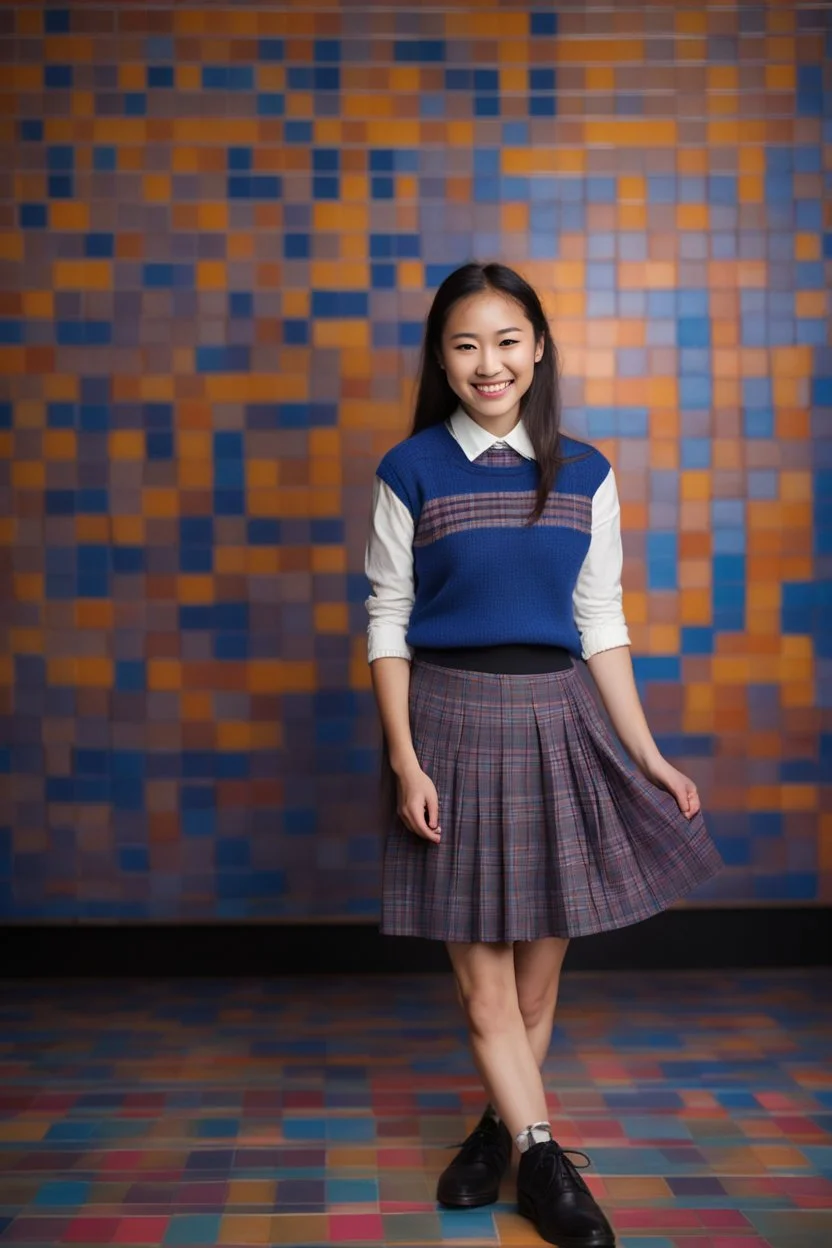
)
(599, 392)
(69, 215)
(331, 617)
(192, 588)
(28, 474)
(61, 671)
(329, 559)
(126, 444)
(230, 560)
(164, 674)
(92, 528)
(341, 334)
(197, 705)
(156, 187)
(780, 77)
(599, 78)
(809, 303)
(750, 188)
(211, 275)
(94, 673)
(82, 275)
(28, 586)
(692, 51)
(39, 304)
(694, 573)
(60, 443)
(157, 502)
(94, 614)
(694, 606)
(693, 217)
(23, 641)
(263, 561)
(807, 247)
(128, 530)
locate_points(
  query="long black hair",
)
(539, 406)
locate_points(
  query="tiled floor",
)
(321, 1111)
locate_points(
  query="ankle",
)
(536, 1133)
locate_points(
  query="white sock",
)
(537, 1133)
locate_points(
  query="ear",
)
(538, 351)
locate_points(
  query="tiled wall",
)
(221, 227)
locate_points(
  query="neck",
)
(497, 426)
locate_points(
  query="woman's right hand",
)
(418, 803)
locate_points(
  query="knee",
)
(489, 1008)
(536, 1003)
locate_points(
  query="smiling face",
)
(488, 352)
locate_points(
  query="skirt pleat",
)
(546, 829)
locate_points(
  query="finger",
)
(432, 805)
(680, 793)
(688, 802)
(419, 824)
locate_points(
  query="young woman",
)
(495, 561)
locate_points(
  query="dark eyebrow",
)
(512, 329)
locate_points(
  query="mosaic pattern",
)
(221, 229)
(322, 1112)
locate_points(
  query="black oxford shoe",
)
(552, 1194)
(473, 1177)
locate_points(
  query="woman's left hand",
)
(680, 786)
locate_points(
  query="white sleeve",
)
(389, 567)
(597, 599)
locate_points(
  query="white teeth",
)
(503, 385)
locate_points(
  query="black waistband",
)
(500, 660)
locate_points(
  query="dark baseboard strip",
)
(684, 939)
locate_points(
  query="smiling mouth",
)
(492, 388)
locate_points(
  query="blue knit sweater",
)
(484, 577)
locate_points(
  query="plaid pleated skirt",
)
(546, 830)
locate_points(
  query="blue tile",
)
(696, 453)
(130, 675)
(810, 94)
(30, 130)
(538, 105)
(697, 640)
(227, 359)
(299, 132)
(135, 104)
(271, 104)
(656, 667)
(160, 76)
(758, 422)
(104, 159)
(240, 158)
(270, 49)
(240, 304)
(33, 216)
(327, 50)
(543, 22)
(56, 21)
(416, 51)
(339, 304)
(57, 77)
(468, 1224)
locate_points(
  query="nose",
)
(488, 363)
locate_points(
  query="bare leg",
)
(508, 1066)
(537, 967)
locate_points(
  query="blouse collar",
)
(475, 440)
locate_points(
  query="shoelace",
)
(473, 1141)
(561, 1160)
